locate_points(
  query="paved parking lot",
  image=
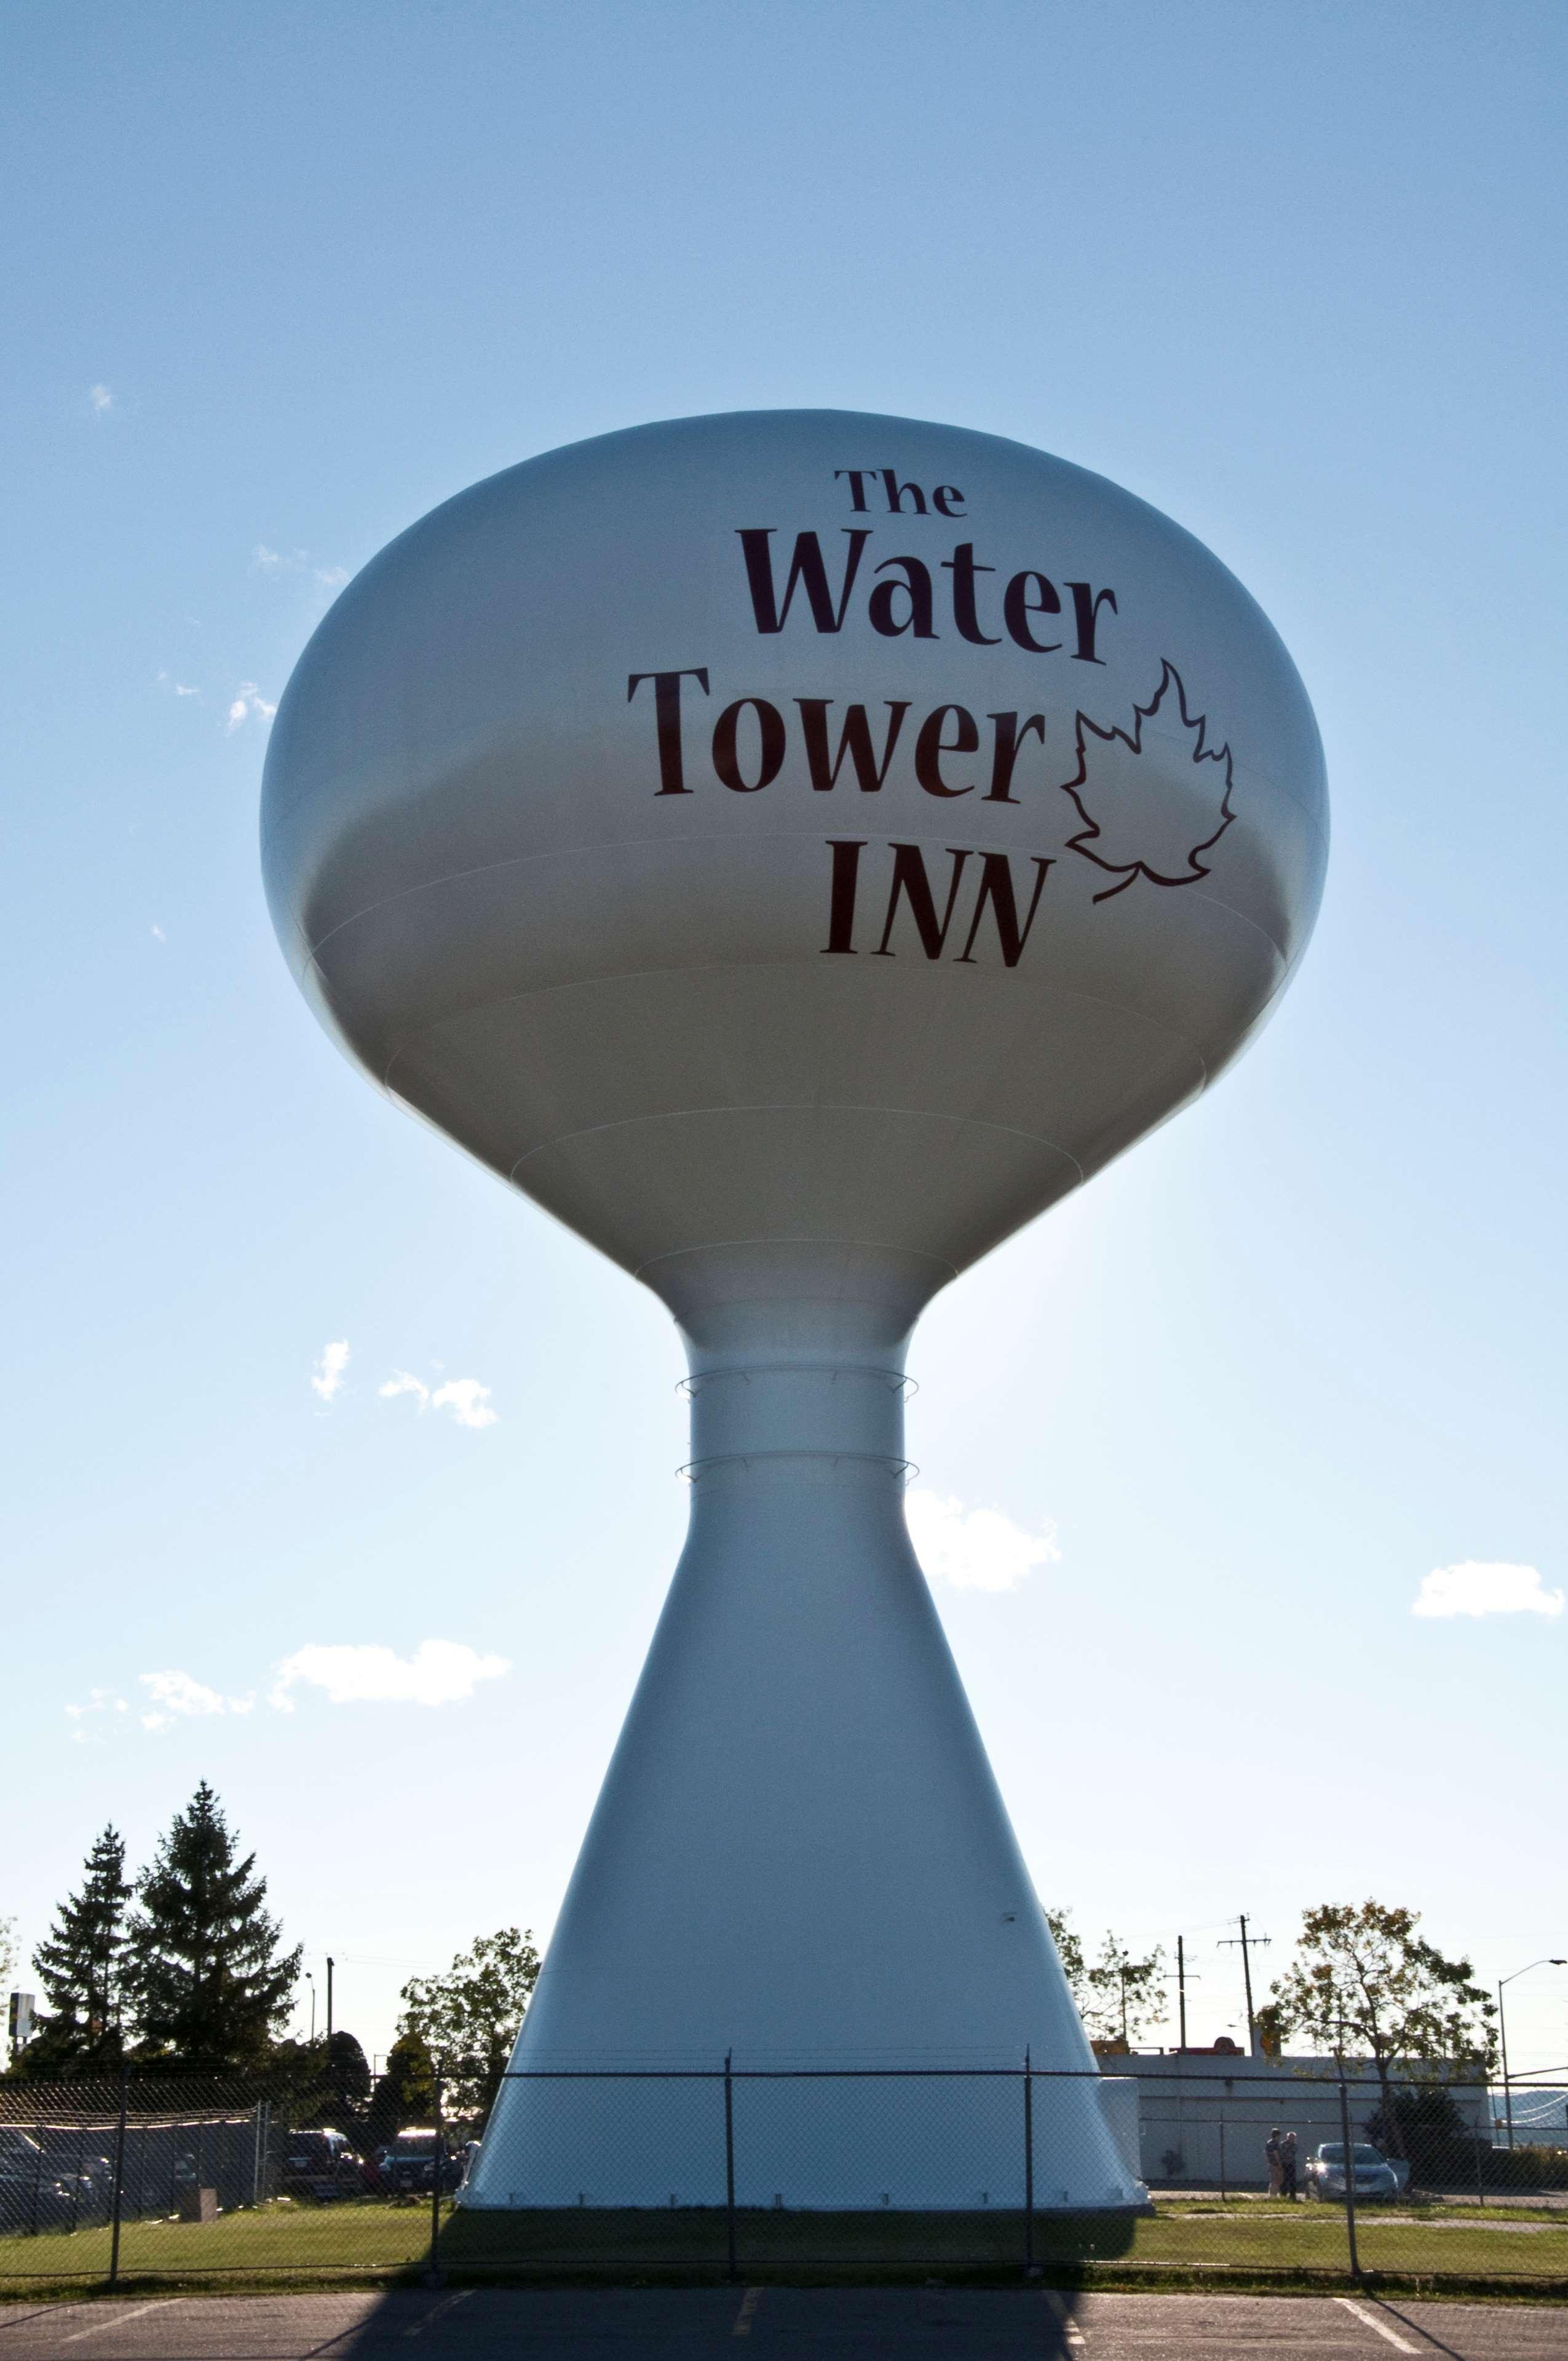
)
(688, 2324)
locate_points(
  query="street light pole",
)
(1503, 2036)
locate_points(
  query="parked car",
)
(408, 2166)
(1374, 2175)
(321, 2164)
(32, 2195)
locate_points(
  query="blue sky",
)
(282, 277)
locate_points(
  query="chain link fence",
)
(772, 2172)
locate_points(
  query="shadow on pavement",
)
(596, 2323)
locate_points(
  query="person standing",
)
(1274, 2155)
(1287, 2165)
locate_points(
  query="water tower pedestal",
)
(800, 1857)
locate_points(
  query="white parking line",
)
(1389, 2335)
(118, 2319)
(447, 2303)
(749, 2302)
(1069, 2326)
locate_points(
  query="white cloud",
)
(1474, 1588)
(439, 1672)
(158, 930)
(264, 560)
(180, 688)
(174, 1694)
(327, 1376)
(100, 399)
(468, 1401)
(248, 705)
(465, 1398)
(974, 1548)
(86, 1732)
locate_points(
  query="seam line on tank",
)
(642, 843)
(797, 1106)
(615, 844)
(763, 967)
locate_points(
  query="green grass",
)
(1182, 2242)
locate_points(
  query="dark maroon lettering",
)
(667, 719)
(909, 879)
(806, 568)
(1007, 739)
(726, 754)
(855, 740)
(846, 850)
(1086, 606)
(930, 746)
(963, 569)
(996, 889)
(1017, 607)
(916, 587)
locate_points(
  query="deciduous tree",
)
(1365, 1984)
(470, 2018)
(1125, 1995)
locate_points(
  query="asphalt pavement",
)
(691, 2325)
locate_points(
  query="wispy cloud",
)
(89, 1730)
(100, 400)
(439, 1672)
(264, 560)
(174, 1694)
(1476, 1588)
(178, 688)
(248, 705)
(327, 1374)
(465, 1398)
(159, 932)
(974, 1548)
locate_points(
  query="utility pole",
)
(1244, 1939)
(329, 1967)
(1182, 1988)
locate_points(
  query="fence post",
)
(119, 2178)
(434, 2276)
(1349, 2176)
(1224, 2193)
(1028, 2162)
(730, 2164)
(1481, 2152)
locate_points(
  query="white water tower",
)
(796, 849)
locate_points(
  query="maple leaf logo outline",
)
(1130, 871)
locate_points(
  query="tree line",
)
(182, 1966)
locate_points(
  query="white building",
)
(1204, 2114)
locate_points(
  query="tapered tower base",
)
(800, 1858)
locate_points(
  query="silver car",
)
(1374, 2176)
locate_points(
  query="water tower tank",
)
(796, 849)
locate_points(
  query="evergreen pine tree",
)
(209, 1986)
(80, 1963)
